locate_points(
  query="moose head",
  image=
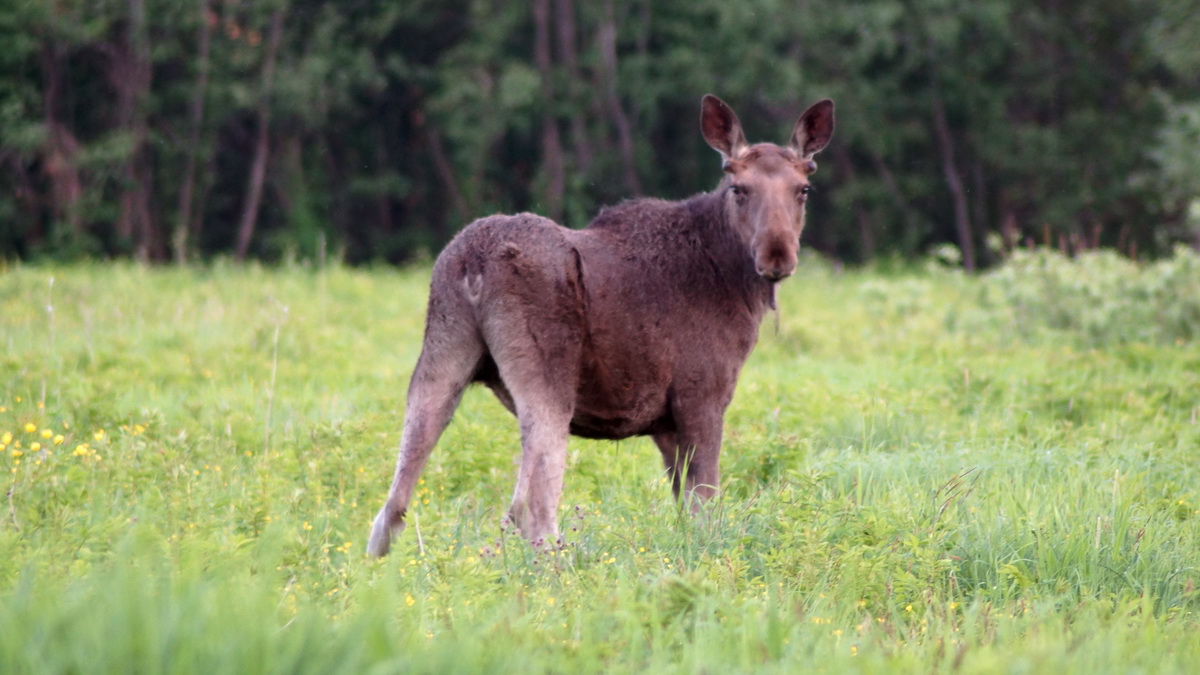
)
(766, 185)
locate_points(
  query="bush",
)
(1096, 298)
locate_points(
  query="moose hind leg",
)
(442, 373)
(544, 431)
(542, 384)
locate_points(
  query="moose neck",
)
(729, 252)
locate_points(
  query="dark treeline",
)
(374, 129)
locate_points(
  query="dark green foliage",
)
(130, 127)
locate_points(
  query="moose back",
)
(637, 325)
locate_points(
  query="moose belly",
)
(597, 414)
(614, 408)
(615, 428)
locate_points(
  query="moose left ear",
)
(814, 129)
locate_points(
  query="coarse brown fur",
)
(636, 325)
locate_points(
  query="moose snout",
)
(776, 261)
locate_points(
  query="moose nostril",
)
(774, 274)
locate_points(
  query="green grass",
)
(912, 482)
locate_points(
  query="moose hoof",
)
(382, 533)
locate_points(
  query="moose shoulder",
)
(636, 325)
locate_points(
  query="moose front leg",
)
(692, 455)
(668, 445)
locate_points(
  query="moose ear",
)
(721, 128)
(813, 129)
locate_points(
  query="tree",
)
(377, 129)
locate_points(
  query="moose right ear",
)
(721, 128)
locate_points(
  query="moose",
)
(637, 325)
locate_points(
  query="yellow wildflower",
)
(35, 446)
(98, 434)
(30, 427)
(46, 433)
(58, 439)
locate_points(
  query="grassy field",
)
(923, 472)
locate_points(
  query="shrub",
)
(1096, 298)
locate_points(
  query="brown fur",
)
(637, 325)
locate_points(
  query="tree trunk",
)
(130, 74)
(258, 168)
(893, 188)
(608, 59)
(336, 175)
(866, 233)
(552, 154)
(1010, 232)
(196, 118)
(441, 165)
(979, 211)
(568, 52)
(383, 200)
(59, 161)
(945, 141)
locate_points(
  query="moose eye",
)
(802, 193)
(739, 192)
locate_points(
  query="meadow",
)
(922, 472)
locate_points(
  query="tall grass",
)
(910, 483)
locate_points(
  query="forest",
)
(372, 130)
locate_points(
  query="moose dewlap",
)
(637, 325)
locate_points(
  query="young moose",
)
(637, 325)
